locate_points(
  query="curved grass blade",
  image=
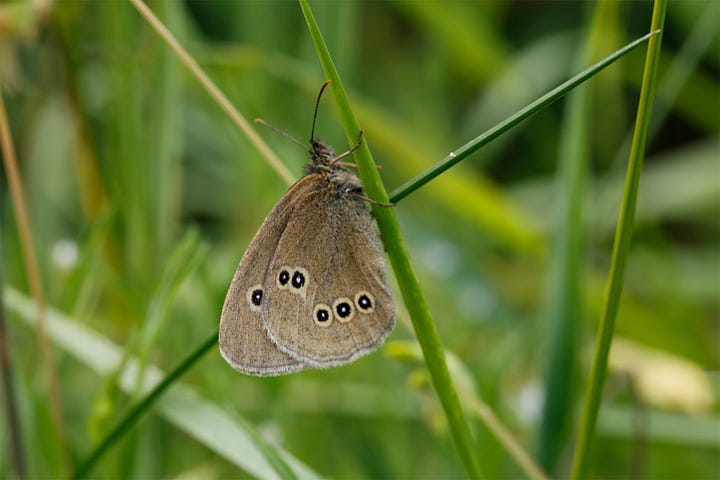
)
(469, 148)
(397, 253)
(181, 406)
(133, 415)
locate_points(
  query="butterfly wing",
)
(244, 342)
(332, 303)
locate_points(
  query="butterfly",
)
(311, 289)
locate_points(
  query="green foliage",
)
(143, 196)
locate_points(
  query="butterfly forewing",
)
(244, 342)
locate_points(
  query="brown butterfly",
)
(310, 290)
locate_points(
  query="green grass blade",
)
(165, 168)
(678, 76)
(181, 406)
(469, 148)
(403, 349)
(621, 248)
(184, 259)
(564, 294)
(214, 91)
(397, 253)
(134, 414)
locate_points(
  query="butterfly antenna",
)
(317, 105)
(277, 130)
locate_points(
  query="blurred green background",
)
(143, 196)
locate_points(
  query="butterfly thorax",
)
(323, 162)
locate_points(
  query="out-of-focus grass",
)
(123, 154)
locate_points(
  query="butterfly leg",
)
(349, 152)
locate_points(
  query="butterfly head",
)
(323, 159)
(321, 154)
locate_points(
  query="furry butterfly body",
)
(310, 290)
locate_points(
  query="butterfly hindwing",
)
(331, 302)
(244, 342)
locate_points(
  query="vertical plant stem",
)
(33, 272)
(413, 296)
(621, 247)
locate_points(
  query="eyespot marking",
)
(283, 278)
(365, 302)
(343, 309)
(299, 279)
(254, 297)
(322, 315)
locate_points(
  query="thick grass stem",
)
(413, 296)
